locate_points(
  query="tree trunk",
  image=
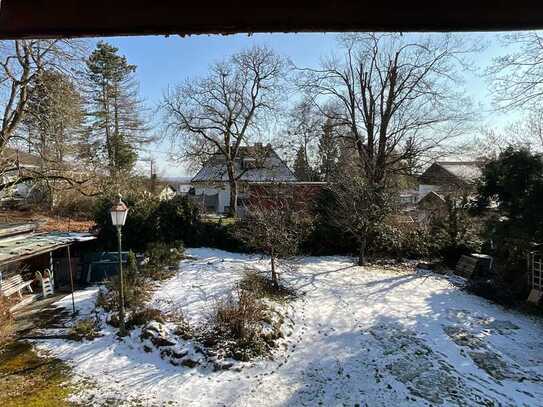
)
(233, 190)
(362, 252)
(274, 273)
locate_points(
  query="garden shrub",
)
(239, 314)
(509, 286)
(513, 181)
(219, 236)
(141, 225)
(235, 326)
(403, 240)
(136, 293)
(150, 220)
(178, 220)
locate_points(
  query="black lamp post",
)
(119, 211)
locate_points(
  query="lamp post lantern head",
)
(118, 212)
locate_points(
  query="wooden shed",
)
(28, 258)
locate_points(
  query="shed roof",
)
(23, 246)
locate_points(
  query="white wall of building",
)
(223, 197)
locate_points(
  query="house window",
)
(248, 163)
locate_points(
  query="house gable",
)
(451, 174)
(255, 163)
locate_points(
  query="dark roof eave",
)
(68, 18)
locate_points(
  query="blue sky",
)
(166, 61)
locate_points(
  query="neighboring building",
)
(255, 164)
(181, 185)
(14, 164)
(408, 197)
(446, 176)
(440, 180)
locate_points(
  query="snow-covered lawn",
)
(362, 336)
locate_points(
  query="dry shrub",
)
(136, 294)
(6, 322)
(263, 287)
(239, 315)
(236, 329)
(182, 327)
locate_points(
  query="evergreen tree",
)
(302, 169)
(115, 125)
(328, 153)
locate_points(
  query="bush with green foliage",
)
(161, 259)
(141, 227)
(151, 220)
(514, 182)
(403, 240)
(391, 238)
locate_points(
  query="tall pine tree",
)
(115, 126)
(328, 153)
(302, 169)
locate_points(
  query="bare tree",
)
(303, 126)
(219, 113)
(396, 97)
(273, 225)
(20, 62)
(53, 118)
(358, 209)
(517, 77)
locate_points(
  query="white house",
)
(255, 164)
